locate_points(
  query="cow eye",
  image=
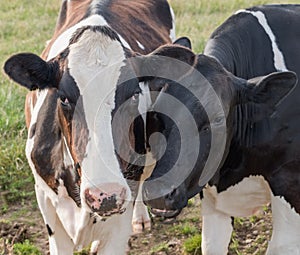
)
(205, 129)
(64, 101)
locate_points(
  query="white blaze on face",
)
(144, 100)
(95, 61)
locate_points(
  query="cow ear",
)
(30, 71)
(271, 89)
(184, 41)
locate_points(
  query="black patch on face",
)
(50, 232)
(68, 88)
(99, 29)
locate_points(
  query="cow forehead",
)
(94, 53)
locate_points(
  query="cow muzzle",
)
(164, 204)
(106, 200)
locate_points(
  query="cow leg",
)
(286, 225)
(117, 233)
(285, 202)
(59, 240)
(141, 219)
(216, 228)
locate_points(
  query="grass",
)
(25, 248)
(192, 245)
(26, 25)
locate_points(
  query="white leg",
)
(117, 233)
(216, 227)
(59, 241)
(286, 229)
(141, 219)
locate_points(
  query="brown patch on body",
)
(147, 21)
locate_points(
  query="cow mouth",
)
(105, 215)
(165, 213)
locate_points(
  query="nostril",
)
(171, 195)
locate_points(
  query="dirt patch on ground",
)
(167, 237)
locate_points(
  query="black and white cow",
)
(246, 136)
(79, 176)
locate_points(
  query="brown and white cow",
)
(79, 176)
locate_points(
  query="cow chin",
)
(165, 213)
(168, 205)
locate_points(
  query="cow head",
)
(70, 141)
(196, 109)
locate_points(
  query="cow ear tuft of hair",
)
(184, 41)
(273, 88)
(30, 71)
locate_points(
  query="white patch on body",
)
(243, 199)
(95, 62)
(140, 45)
(286, 229)
(279, 62)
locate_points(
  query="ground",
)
(167, 237)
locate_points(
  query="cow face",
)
(70, 133)
(196, 110)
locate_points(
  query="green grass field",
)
(25, 25)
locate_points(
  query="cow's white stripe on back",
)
(279, 62)
(95, 61)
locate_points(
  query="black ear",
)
(184, 41)
(30, 71)
(271, 89)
